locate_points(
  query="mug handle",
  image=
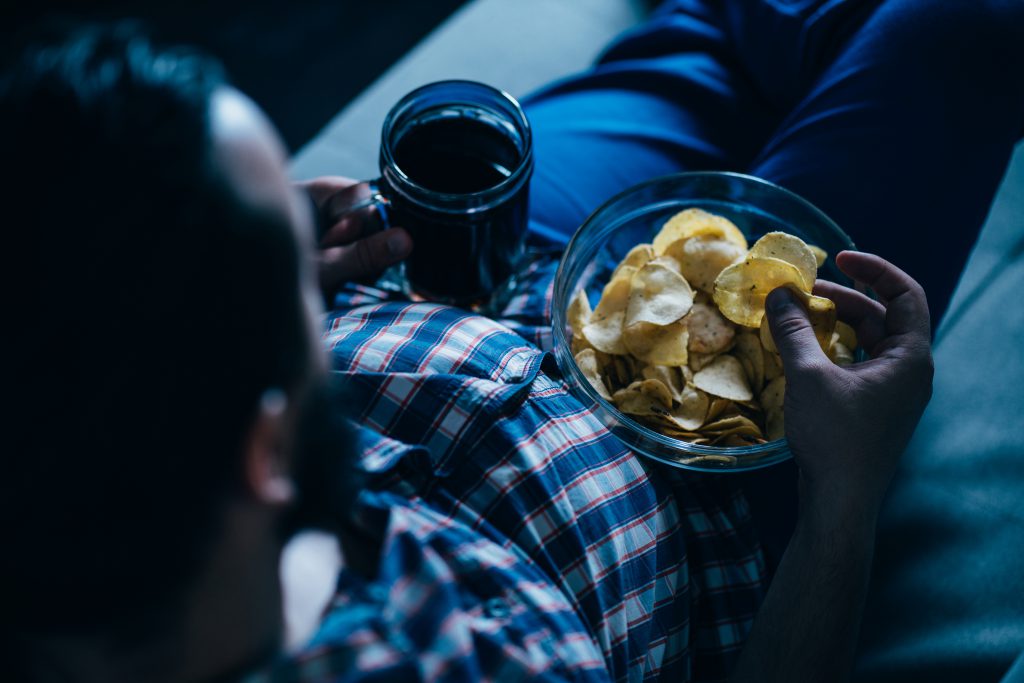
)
(376, 199)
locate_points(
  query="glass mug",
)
(455, 161)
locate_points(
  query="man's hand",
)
(352, 247)
(848, 426)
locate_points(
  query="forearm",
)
(806, 630)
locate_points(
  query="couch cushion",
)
(947, 597)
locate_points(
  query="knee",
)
(978, 34)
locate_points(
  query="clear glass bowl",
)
(634, 216)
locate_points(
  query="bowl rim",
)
(566, 362)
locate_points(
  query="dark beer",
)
(456, 155)
(469, 222)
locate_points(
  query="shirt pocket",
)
(430, 375)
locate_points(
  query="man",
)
(172, 427)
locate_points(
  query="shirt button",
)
(496, 608)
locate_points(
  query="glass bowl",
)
(634, 216)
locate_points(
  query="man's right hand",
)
(848, 426)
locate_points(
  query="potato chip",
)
(702, 257)
(658, 344)
(587, 362)
(720, 407)
(749, 352)
(615, 295)
(687, 374)
(840, 354)
(657, 390)
(791, 249)
(620, 372)
(604, 333)
(668, 262)
(751, 408)
(670, 377)
(635, 258)
(821, 313)
(736, 424)
(697, 222)
(663, 424)
(775, 425)
(699, 361)
(772, 365)
(579, 312)
(725, 423)
(820, 255)
(765, 333)
(580, 343)
(692, 409)
(847, 335)
(740, 289)
(709, 460)
(684, 420)
(577, 344)
(774, 394)
(709, 332)
(648, 397)
(736, 440)
(657, 295)
(724, 377)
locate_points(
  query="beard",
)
(325, 462)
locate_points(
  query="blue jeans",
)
(895, 117)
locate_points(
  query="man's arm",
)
(847, 428)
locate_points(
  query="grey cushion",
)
(947, 600)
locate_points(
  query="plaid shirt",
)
(520, 539)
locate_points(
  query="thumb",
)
(791, 330)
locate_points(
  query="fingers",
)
(792, 331)
(907, 307)
(339, 218)
(864, 314)
(321, 189)
(364, 259)
(351, 227)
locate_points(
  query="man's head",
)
(165, 365)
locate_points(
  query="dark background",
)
(301, 60)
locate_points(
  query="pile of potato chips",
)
(679, 339)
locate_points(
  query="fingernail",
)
(778, 299)
(398, 245)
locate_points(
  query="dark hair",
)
(152, 310)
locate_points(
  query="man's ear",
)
(267, 478)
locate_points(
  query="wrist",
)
(827, 509)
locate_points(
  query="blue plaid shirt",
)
(520, 539)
